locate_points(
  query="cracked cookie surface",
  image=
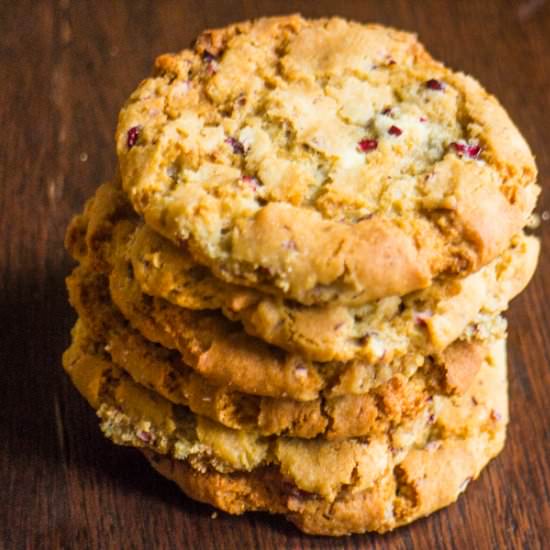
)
(222, 353)
(324, 160)
(376, 412)
(324, 487)
(425, 321)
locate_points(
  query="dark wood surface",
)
(65, 68)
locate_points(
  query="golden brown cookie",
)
(324, 487)
(422, 323)
(391, 403)
(427, 321)
(134, 415)
(324, 160)
(222, 354)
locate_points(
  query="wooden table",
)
(65, 69)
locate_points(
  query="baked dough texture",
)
(385, 405)
(324, 160)
(220, 351)
(325, 487)
(427, 320)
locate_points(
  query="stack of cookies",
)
(290, 295)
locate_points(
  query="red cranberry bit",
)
(423, 119)
(387, 111)
(460, 148)
(395, 131)
(473, 151)
(434, 84)
(237, 146)
(132, 136)
(366, 145)
(463, 149)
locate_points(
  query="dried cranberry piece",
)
(237, 146)
(387, 111)
(463, 149)
(395, 131)
(366, 145)
(460, 148)
(434, 84)
(132, 136)
(473, 151)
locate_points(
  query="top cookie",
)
(324, 160)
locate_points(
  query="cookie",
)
(392, 402)
(427, 321)
(93, 235)
(224, 355)
(134, 415)
(324, 160)
(411, 471)
(242, 359)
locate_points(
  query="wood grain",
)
(65, 69)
